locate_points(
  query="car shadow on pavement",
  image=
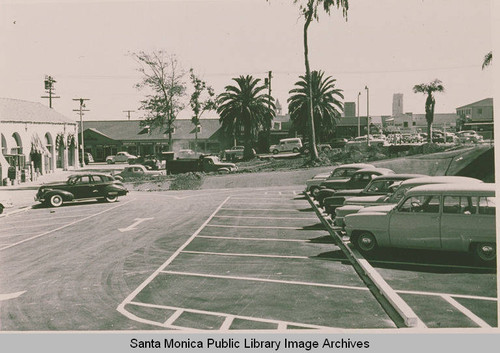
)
(325, 239)
(71, 204)
(427, 261)
(305, 209)
(317, 226)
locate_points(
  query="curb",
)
(18, 210)
(361, 264)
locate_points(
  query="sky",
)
(386, 45)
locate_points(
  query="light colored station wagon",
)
(452, 217)
(386, 202)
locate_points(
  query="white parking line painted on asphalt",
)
(284, 198)
(128, 299)
(480, 322)
(174, 317)
(293, 210)
(257, 279)
(136, 223)
(64, 226)
(11, 295)
(252, 227)
(227, 323)
(244, 255)
(436, 294)
(258, 239)
(24, 220)
(279, 323)
(260, 217)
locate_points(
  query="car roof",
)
(441, 180)
(487, 189)
(380, 170)
(399, 176)
(355, 165)
(93, 173)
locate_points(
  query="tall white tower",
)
(397, 104)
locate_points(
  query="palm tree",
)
(310, 12)
(430, 102)
(245, 105)
(487, 59)
(326, 106)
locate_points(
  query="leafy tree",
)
(430, 102)
(202, 100)
(309, 10)
(487, 59)
(326, 105)
(163, 78)
(245, 105)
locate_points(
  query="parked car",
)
(206, 163)
(236, 152)
(287, 145)
(150, 162)
(339, 142)
(5, 201)
(320, 147)
(138, 170)
(387, 202)
(361, 140)
(81, 187)
(359, 180)
(121, 157)
(452, 217)
(344, 171)
(378, 186)
(469, 136)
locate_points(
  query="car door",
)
(98, 185)
(416, 223)
(81, 187)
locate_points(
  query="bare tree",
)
(202, 99)
(163, 78)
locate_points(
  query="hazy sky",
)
(388, 45)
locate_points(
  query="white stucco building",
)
(35, 139)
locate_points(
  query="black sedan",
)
(81, 187)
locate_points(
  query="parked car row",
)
(450, 213)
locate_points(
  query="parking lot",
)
(234, 259)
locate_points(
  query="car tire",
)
(314, 190)
(111, 198)
(484, 253)
(365, 242)
(55, 200)
(1, 209)
(109, 161)
(295, 150)
(275, 151)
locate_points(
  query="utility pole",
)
(367, 115)
(128, 113)
(359, 119)
(49, 87)
(81, 110)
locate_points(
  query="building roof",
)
(16, 110)
(131, 130)
(481, 103)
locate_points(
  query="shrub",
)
(187, 181)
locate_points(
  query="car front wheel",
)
(295, 150)
(109, 161)
(55, 200)
(365, 242)
(275, 151)
(485, 253)
(111, 198)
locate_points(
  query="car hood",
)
(232, 165)
(378, 209)
(321, 176)
(54, 184)
(349, 192)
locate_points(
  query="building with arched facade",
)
(35, 139)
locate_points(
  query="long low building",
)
(35, 140)
(103, 138)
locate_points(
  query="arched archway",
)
(18, 149)
(4, 145)
(60, 146)
(71, 150)
(50, 158)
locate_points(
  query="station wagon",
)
(452, 217)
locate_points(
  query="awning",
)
(37, 146)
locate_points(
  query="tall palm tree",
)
(430, 102)
(245, 105)
(326, 105)
(309, 10)
(487, 59)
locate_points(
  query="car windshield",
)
(398, 194)
(343, 172)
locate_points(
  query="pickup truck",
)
(202, 164)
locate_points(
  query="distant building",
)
(349, 109)
(106, 137)
(397, 104)
(35, 139)
(477, 116)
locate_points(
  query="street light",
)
(367, 115)
(359, 119)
